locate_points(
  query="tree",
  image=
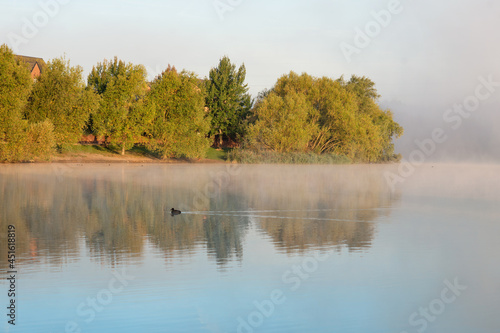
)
(60, 96)
(342, 118)
(180, 122)
(389, 130)
(15, 86)
(282, 123)
(227, 100)
(119, 117)
(19, 141)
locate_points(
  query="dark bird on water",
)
(174, 212)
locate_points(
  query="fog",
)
(437, 59)
(475, 140)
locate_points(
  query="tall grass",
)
(268, 157)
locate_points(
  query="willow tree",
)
(282, 123)
(180, 122)
(343, 117)
(120, 117)
(60, 95)
(227, 100)
(367, 97)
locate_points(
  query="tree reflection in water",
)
(116, 210)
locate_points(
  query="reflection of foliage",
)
(329, 208)
(117, 211)
(223, 233)
(38, 209)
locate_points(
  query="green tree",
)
(15, 86)
(19, 141)
(120, 116)
(180, 123)
(227, 100)
(389, 130)
(60, 96)
(343, 116)
(282, 123)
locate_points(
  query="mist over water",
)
(243, 232)
(475, 140)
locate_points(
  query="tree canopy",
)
(60, 95)
(19, 140)
(282, 123)
(121, 86)
(227, 100)
(180, 122)
(179, 115)
(322, 115)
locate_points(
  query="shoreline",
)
(118, 159)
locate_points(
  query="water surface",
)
(257, 248)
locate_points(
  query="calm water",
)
(257, 248)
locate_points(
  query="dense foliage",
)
(302, 119)
(19, 140)
(227, 100)
(60, 96)
(306, 114)
(180, 123)
(120, 118)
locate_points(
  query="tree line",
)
(179, 115)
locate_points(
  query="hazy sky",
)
(424, 58)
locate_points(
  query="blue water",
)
(256, 249)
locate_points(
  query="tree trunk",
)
(123, 148)
(220, 138)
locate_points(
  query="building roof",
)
(32, 61)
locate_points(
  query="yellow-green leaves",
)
(180, 123)
(59, 95)
(19, 141)
(120, 116)
(282, 123)
(307, 114)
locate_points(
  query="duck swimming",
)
(174, 212)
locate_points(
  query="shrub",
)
(249, 156)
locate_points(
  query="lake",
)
(257, 248)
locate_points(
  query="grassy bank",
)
(138, 154)
(269, 157)
(79, 153)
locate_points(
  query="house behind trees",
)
(35, 65)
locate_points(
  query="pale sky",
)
(425, 57)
